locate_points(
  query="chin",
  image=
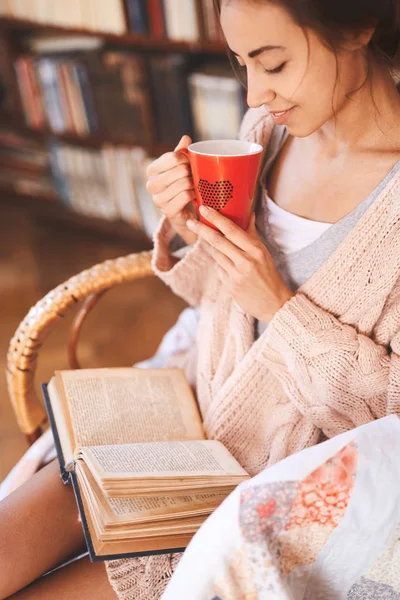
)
(299, 131)
(302, 129)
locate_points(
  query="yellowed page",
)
(116, 511)
(122, 462)
(125, 546)
(116, 406)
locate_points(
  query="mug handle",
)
(184, 151)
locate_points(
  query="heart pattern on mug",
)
(216, 195)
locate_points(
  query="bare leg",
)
(81, 580)
(39, 529)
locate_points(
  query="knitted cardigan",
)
(328, 360)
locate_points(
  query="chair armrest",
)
(28, 339)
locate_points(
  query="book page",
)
(117, 406)
(140, 508)
(156, 459)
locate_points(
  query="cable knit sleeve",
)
(185, 276)
(335, 376)
(188, 276)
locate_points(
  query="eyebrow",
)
(259, 51)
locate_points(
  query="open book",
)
(132, 444)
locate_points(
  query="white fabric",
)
(292, 233)
(235, 554)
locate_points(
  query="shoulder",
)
(257, 126)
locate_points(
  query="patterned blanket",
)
(323, 524)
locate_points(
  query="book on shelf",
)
(138, 16)
(156, 18)
(25, 165)
(211, 26)
(170, 93)
(217, 102)
(43, 43)
(132, 444)
(181, 20)
(87, 14)
(100, 182)
(150, 213)
(96, 92)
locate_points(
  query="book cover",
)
(80, 412)
(69, 478)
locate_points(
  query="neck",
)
(367, 120)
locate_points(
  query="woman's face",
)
(292, 73)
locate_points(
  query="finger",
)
(179, 204)
(223, 261)
(184, 142)
(164, 197)
(217, 241)
(223, 276)
(252, 229)
(165, 162)
(159, 183)
(252, 224)
(230, 230)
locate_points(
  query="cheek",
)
(314, 98)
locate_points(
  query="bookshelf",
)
(90, 141)
(15, 35)
(139, 42)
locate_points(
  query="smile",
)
(282, 115)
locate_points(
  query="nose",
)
(258, 92)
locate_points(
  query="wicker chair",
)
(87, 287)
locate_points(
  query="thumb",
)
(184, 142)
(251, 230)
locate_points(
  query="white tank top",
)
(291, 232)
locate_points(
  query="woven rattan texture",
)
(28, 339)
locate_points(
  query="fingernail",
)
(191, 224)
(204, 210)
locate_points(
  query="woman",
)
(300, 315)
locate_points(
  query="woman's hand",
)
(245, 266)
(171, 185)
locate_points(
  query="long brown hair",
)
(332, 19)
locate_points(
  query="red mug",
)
(225, 175)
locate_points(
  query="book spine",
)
(58, 172)
(156, 16)
(65, 108)
(170, 98)
(48, 79)
(24, 90)
(80, 106)
(113, 20)
(36, 99)
(78, 118)
(87, 98)
(201, 25)
(138, 18)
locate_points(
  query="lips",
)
(279, 113)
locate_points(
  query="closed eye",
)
(276, 70)
(269, 71)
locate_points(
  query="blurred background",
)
(91, 91)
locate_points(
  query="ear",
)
(358, 40)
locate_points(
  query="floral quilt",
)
(323, 524)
